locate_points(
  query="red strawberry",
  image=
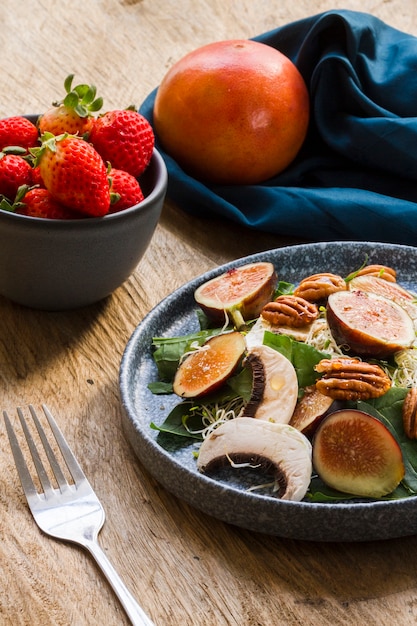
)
(14, 172)
(36, 177)
(124, 189)
(63, 119)
(75, 174)
(125, 139)
(18, 131)
(38, 202)
(73, 114)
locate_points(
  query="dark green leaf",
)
(241, 383)
(302, 356)
(169, 351)
(159, 387)
(203, 320)
(283, 289)
(320, 492)
(179, 416)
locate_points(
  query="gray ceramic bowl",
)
(224, 496)
(65, 264)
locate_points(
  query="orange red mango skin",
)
(232, 112)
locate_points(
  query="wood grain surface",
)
(185, 568)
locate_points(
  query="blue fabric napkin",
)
(356, 175)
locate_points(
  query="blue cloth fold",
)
(356, 175)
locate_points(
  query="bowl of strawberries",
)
(81, 193)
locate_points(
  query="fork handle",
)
(135, 613)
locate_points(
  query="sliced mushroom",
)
(255, 337)
(279, 449)
(274, 388)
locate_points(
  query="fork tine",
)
(60, 478)
(72, 463)
(22, 469)
(24, 473)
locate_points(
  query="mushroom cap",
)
(279, 448)
(275, 385)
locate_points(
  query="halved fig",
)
(209, 366)
(241, 293)
(368, 324)
(310, 410)
(355, 453)
(391, 290)
(277, 449)
(274, 387)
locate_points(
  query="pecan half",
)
(409, 413)
(380, 271)
(291, 311)
(318, 287)
(351, 379)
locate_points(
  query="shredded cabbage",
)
(406, 373)
(321, 338)
(213, 415)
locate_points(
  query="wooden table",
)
(185, 568)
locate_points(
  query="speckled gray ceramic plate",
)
(175, 468)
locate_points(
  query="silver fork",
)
(71, 512)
